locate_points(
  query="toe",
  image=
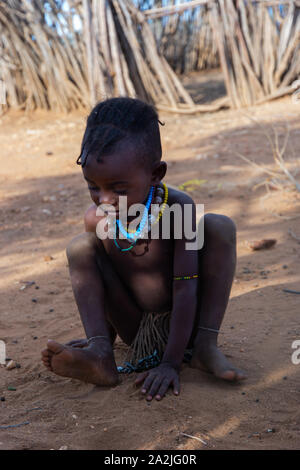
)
(47, 364)
(227, 375)
(46, 353)
(240, 375)
(232, 375)
(54, 347)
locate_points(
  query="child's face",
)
(121, 174)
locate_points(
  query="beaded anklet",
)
(208, 329)
(185, 278)
(95, 337)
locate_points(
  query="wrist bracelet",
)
(185, 278)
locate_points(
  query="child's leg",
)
(217, 262)
(105, 308)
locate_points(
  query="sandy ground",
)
(43, 198)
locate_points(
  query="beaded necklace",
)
(158, 200)
(138, 232)
(133, 235)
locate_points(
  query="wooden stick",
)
(292, 234)
(175, 9)
(89, 48)
(194, 437)
(171, 10)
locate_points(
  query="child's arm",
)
(184, 295)
(182, 317)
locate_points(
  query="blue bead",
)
(134, 235)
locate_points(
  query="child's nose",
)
(106, 198)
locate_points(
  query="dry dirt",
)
(43, 198)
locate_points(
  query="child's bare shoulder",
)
(179, 197)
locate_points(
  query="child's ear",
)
(158, 173)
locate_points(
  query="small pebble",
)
(247, 270)
(11, 365)
(51, 310)
(2, 398)
(285, 266)
(255, 434)
(243, 393)
(35, 337)
(284, 378)
(37, 287)
(34, 301)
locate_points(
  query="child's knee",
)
(81, 247)
(220, 227)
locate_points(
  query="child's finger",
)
(148, 382)
(176, 386)
(141, 377)
(154, 387)
(162, 389)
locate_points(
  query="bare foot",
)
(207, 356)
(93, 364)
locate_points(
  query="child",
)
(134, 287)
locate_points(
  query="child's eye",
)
(92, 188)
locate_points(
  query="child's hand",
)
(158, 380)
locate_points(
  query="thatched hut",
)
(48, 60)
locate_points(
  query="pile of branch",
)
(185, 39)
(39, 64)
(258, 43)
(119, 40)
(259, 48)
(46, 63)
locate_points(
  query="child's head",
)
(121, 151)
